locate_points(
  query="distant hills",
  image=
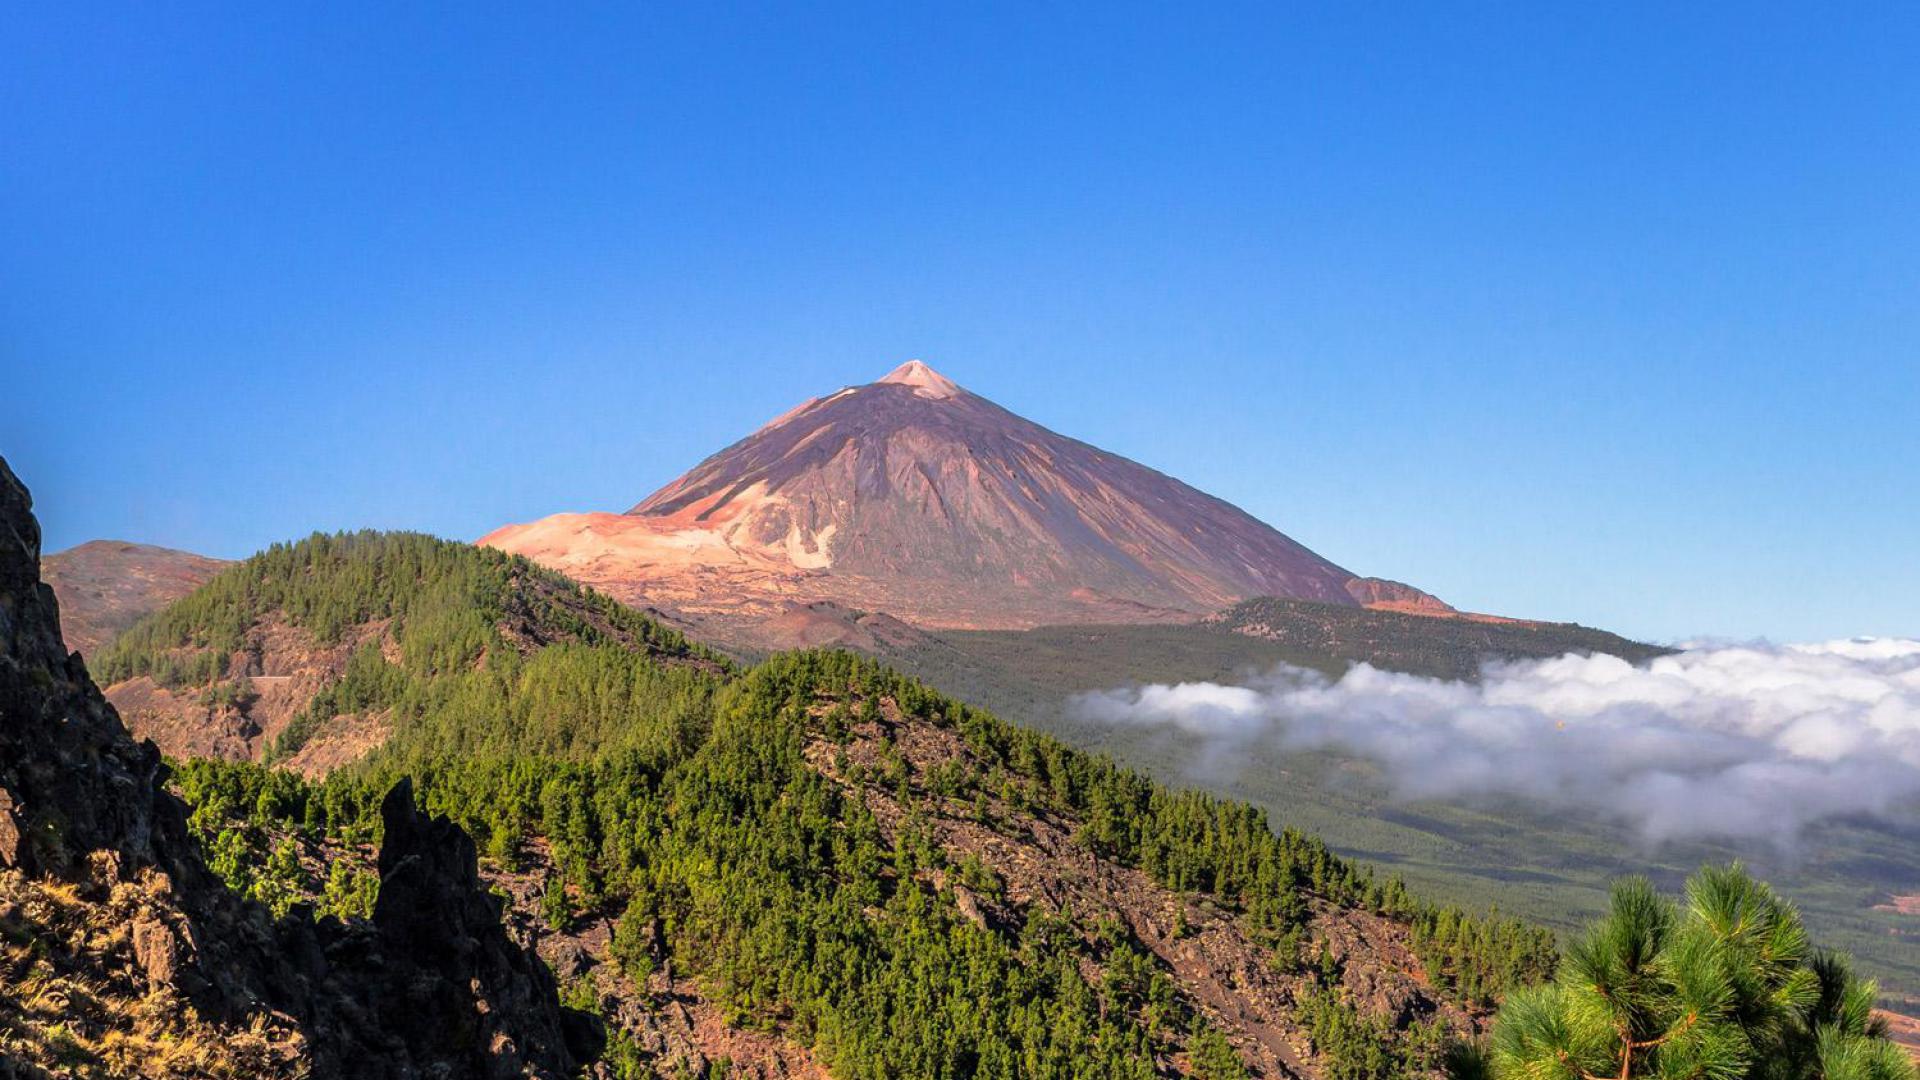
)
(1395, 639)
(915, 497)
(105, 586)
(301, 654)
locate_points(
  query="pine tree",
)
(1214, 1059)
(1725, 987)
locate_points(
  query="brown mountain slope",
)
(913, 496)
(105, 586)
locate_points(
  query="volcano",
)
(916, 497)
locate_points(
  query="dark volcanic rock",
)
(432, 987)
(433, 909)
(71, 780)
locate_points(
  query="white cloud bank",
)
(1735, 741)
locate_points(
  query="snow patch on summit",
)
(925, 381)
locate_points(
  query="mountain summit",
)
(925, 381)
(914, 496)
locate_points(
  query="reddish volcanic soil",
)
(105, 586)
(1905, 1031)
(914, 497)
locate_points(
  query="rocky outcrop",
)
(71, 781)
(1386, 595)
(431, 987)
(434, 911)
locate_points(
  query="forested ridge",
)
(689, 804)
(835, 856)
(443, 611)
(736, 862)
(452, 598)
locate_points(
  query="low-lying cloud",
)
(1734, 741)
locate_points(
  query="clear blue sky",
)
(1594, 312)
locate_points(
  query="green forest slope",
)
(1547, 867)
(388, 624)
(815, 853)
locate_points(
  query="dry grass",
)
(74, 1001)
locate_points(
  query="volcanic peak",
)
(915, 497)
(925, 381)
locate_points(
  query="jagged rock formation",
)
(105, 586)
(912, 496)
(71, 781)
(89, 837)
(433, 910)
